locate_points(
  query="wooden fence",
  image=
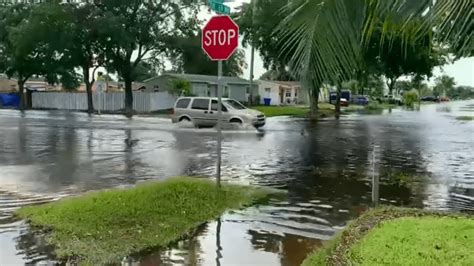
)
(143, 102)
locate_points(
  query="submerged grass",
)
(465, 118)
(401, 236)
(102, 227)
(271, 111)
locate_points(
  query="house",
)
(287, 92)
(32, 84)
(203, 85)
(282, 92)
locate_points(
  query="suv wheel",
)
(236, 121)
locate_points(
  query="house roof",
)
(283, 83)
(204, 78)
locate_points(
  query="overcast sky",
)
(462, 70)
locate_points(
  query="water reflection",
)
(324, 166)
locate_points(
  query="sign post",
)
(100, 88)
(220, 39)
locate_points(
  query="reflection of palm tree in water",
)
(218, 242)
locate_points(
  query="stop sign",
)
(220, 38)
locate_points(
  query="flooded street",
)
(424, 159)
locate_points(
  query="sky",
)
(462, 70)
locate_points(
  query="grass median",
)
(390, 236)
(103, 227)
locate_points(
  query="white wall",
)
(274, 93)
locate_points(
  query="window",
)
(288, 93)
(183, 103)
(214, 105)
(201, 104)
(268, 89)
(235, 104)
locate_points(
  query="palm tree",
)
(329, 36)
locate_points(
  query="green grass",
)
(417, 241)
(104, 226)
(271, 111)
(400, 236)
(324, 109)
(465, 118)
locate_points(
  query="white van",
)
(202, 111)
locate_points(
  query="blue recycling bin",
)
(267, 101)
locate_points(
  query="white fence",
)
(142, 102)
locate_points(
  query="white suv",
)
(202, 111)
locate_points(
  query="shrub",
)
(410, 98)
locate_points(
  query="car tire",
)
(184, 118)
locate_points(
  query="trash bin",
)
(267, 101)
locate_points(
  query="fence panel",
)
(142, 102)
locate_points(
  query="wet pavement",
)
(424, 159)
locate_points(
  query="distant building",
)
(32, 84)
(204, 85)
(287, 92)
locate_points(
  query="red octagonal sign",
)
(220, 38)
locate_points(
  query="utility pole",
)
(252, 52)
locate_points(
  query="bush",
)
(180, 87)
(410, 98)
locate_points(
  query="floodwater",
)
(326, 167)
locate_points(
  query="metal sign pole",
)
(219, 122)
(99, 100)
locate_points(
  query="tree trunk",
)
(128, 97)
(90, 102)
(21, 92)
(338, 101)
(391, 85)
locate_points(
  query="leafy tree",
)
(145, 71)
(70, 80)
(444, 85)
(189, 58)
(29, 43)
(257, 28)
(85, 50)
(329, 36)
(462, 93)
(396, 58)
(131, 29)
(282, 75)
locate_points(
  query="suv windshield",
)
(235, 104)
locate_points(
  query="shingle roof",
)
(205, 78)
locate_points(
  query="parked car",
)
(444, 99)
(345, 94)
(390, 99)
(429, 99)
(344, 102)
(360, 100)
(202, 111)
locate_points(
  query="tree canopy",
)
(188, 57)
(33, 42)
